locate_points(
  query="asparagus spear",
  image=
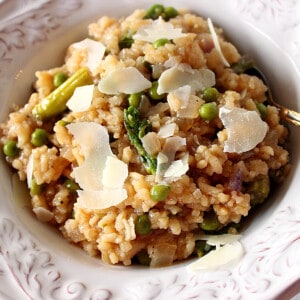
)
(136, 129)
(55, 103)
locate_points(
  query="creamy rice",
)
(217, 183)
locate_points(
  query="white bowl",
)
(37, 263)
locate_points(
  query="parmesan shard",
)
(167, 130)
(115, 173)
(216, 42)
(219, 257)
(156, 30)
(101, 175)
(95, 52)
(91, 137)
(177, 168)
(81, 99)
(245, 129)
(220, 239)
(124, 80)
(101, 199)
(89, 174)
(169, 169)
(176, 77)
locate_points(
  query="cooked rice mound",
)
(209, 182)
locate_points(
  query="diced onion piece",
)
(192, 109)
(216, 42)
(171, 62)
(245, 129)
(179, 98)
(43, 214)
(151, 143)
(29, 170)
(167, 130)
(157, 109)
(101, 199)
(95, 50)
(115, 173)
(219, 257)
(162, 255)
(158, 29)
(81, 99)
(176, 77)
(123, 80)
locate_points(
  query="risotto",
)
(152, 133)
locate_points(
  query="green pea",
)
(62, 123)
(126, 42)
(170, 12)
(208, 111)
(244, 64)
(160, 42)
(35, 189)
(143, 258)
(201, 248)
(11, 149)
(71, 185)
(134, 99)
(142, 225)
(153, 92)
(154, 12)
(259, 189)
(210, 222)
(39, 137)
(159, 192)
(210, 94)
(262, 110)
(59, 78)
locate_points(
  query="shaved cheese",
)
(91, 137)
(165, 159)
(222, 256)
(245, 129)
(178, 168)
(176, 77)
(151, 143)
(216, 42)
(89, 174)
(81, 99)
(101, 199)
(124, 80)
(29, 170)
(167, 130)
(95, 51)
(101, 175)
(158, 29)
(115, 173)
(221, 239)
